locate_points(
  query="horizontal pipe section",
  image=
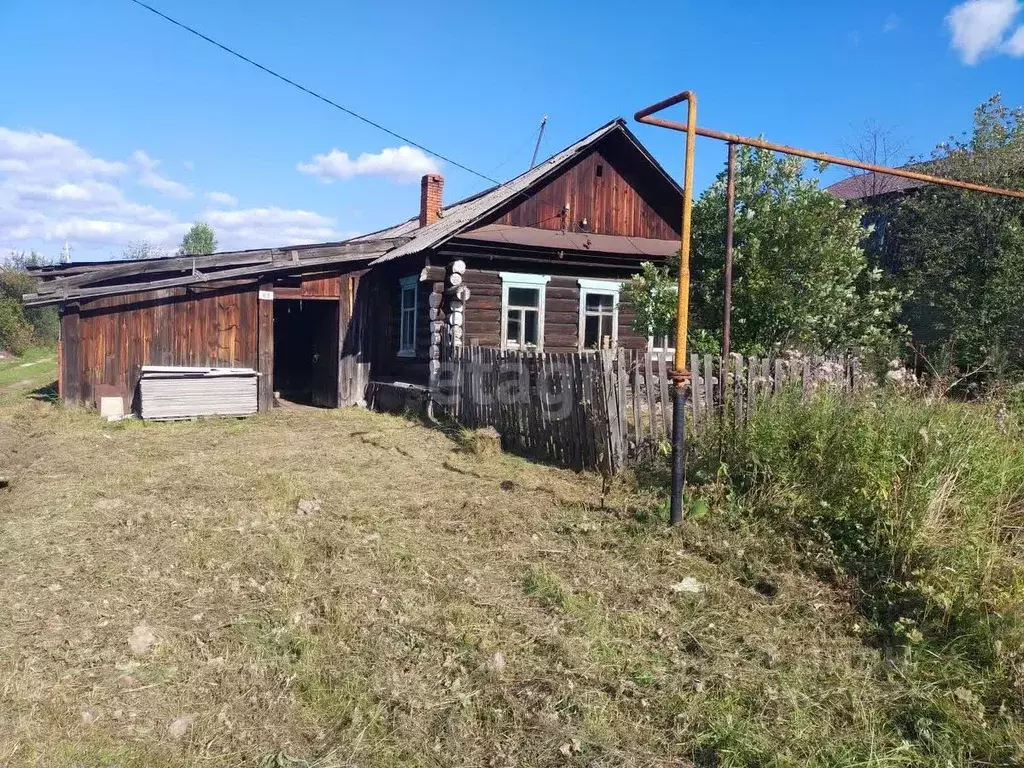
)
(643, 116)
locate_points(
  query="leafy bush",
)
(21, 327)
(960, 254)
(919, 506)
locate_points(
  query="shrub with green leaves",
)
(21, 327)
(917, 506)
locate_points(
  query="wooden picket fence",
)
(727, 389)
(555, 406)
(601, 410)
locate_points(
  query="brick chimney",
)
(431, 198)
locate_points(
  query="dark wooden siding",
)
(615, 203)
(106, 340)
(561, 310)
(380, 289)
(317, 287)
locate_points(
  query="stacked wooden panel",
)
(176, 392)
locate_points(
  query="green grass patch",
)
(35, 368)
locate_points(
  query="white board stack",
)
(174, 392)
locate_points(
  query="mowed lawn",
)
(165, 599)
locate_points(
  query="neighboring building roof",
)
(460, 216)
(573, 241)
(120, 277)
(864, 186)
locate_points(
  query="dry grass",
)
(437, 608)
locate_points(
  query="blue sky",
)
(117, 127)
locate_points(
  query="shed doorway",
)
(306, 351)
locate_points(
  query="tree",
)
(200, 240)
(142, 250)
(800, 276)
(962, 253)
(876, 145)
(21, 327)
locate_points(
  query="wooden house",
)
(535, 263)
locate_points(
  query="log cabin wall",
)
(381, 292)
(561, 304)
(105, 341)
(607, 187)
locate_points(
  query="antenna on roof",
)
(540, 136)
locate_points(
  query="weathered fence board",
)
(600, 410)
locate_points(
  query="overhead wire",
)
(314, 94)
(330, 102)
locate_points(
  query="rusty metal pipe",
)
(680, 376)
(730, 227)
(683, 306)
(643, 116)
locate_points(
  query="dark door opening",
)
(306, 351)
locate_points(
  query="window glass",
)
(523, 297)
(598, 301)
(530, 335)
(591, 332)
(407, 317)
(512, 326)
(522, 310)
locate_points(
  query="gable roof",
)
(865, 186)
(458, 217)
(82, 280)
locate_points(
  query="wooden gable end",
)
(613, 186)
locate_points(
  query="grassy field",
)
(36, 368)
(341, 588)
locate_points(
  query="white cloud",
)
(222, 198)
(52, 189)
(43, 157)
(402, 164)
(164, 186)
(269, 227)
(980, 26)
(1015, 45)
(148, 177)
(144, 161)
(892, 23)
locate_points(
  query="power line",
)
(524, 145)
(312, 93)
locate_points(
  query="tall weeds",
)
(919, 507)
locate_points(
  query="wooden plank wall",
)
(561, 313)
(108, 339)
(317, 287)
(611, 203)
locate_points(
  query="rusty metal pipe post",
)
(680, 375)
(644, 117)
(730, 225)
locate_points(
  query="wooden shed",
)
(535, 263)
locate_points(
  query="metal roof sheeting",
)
(178, 392)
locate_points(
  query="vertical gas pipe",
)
(680, 376)
(730, 223)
